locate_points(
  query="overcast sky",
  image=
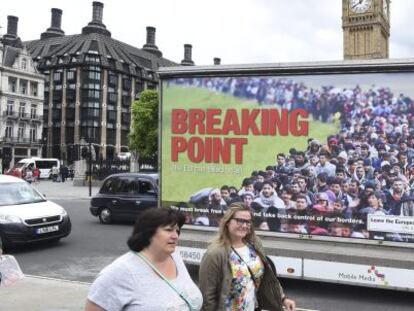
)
(237, 31)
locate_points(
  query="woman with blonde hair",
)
(235, 273)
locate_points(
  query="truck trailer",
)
(322, 152)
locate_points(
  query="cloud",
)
(237, 31)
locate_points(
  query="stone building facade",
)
(21, 100)
(91, 83)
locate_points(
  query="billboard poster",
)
(325, 155)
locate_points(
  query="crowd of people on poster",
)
(331, 187)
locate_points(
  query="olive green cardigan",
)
(215, 276)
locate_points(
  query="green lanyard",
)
(189, 304)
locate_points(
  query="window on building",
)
(94, 94)
(139, 87)
(94, 75)
(111, 117)
(112, 97)
(12, 84)
(9, 130)
(92, 58)
(70, 96)
(22, 109)
(33, 113)
(91, 133)
(70, 75)
(23, 86)
(33, 134)
(112, 79)
(57, 76)
(126, 83)
(10, 105)
(33, 88)
(24, 64)
(20, 131)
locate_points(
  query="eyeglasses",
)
(241, 222)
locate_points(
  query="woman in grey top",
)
(152, 276)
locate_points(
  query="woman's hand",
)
(289, 304)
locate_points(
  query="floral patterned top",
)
(242, 295)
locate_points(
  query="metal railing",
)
(15, 115)
(21, 140)
(10, 114)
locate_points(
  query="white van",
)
(26, 216)
(43, 164)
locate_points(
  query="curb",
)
(56, 279)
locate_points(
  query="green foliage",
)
(143, 138)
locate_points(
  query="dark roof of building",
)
(9, 55)
(55, 51)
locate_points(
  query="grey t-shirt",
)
(129, 284)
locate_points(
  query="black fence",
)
(103, 168)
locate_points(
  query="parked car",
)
(26, 216)
(124, 196)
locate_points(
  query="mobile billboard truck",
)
(225, 125)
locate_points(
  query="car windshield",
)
(18, 193)
(20, 164)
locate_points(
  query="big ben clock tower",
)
(366, 25)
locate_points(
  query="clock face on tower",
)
(360, 6)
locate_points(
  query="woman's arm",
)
(91, 306)
(210, 275)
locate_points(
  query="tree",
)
(143, 138)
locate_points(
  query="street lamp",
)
(82, 142)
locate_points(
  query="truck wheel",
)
(105, 216)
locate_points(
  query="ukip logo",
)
(380, 276)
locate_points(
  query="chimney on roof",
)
(187, 61)
(56, 18)
(150, 45)
(12, 26)
(55, 25)
(217, 61)
(96, 25)
(11, 38)
(97, 12)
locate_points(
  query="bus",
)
(43, 164)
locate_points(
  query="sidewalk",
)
(43, 294)
(58, 190)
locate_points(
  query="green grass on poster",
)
(183, 178)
